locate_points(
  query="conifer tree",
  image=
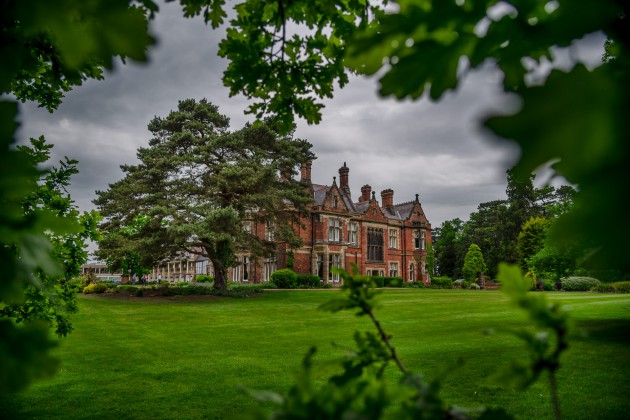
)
(198, 184)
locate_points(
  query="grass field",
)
(142, 359)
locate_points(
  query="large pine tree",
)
(196, 185)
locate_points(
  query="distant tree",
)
(562, 201)
(199, 184)
(447, 239)
(532, 239)
(554, 263)
(473, 263)
(485, 228)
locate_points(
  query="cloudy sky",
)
(437, 150)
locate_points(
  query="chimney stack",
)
(343, 175)
(306, 172)
(365, 193)
(387, 198)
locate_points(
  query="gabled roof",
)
(319, 193)
(404, 209)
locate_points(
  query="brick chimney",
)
(343, 179)
(306, 172)
(387, 198)
(343, 175)
(365, 193)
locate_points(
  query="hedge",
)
(382, 281)
(622, 286)
(579, 284)
(308, 280)
(443, 282)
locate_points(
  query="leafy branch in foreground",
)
(361, 390)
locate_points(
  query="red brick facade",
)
(384, 239)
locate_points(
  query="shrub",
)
(605, 288)
(579, 284)
(474, 286)
(284, 279)
(465, 285)
(203, 278)
(95, 288)
(443, 282)
(139, 292)
(622, 286)
(413, 284)
(531, 277)
(394, 281)
(126, 288)
(182, 284)
(308, 280)
(111, 285)
(326, 286)
(378, 280)
(548, 286)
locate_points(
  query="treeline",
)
(516, 230)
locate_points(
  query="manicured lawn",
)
(141, 359)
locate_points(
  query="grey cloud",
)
(434, 149)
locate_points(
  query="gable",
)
(334, 200)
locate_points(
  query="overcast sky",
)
(437, 150)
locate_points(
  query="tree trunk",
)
(220, 276)
(219, 265)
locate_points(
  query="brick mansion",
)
(382, 239)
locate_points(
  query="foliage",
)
(394, 281)
(307, 280)
(443, 282)
(126, 288)
(533, 281)
(203, 278)
(622, 286)
(579, 284)
(290, 259)
(48, 47)
(287, 54)
(383, 281)
(531, 239)
(447, 241)
(604, 288)
(473, 264)
(554, 263)
(95, 288)
(236, 178)
(284, 278)
(42, 248)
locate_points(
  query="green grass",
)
(143, 359)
